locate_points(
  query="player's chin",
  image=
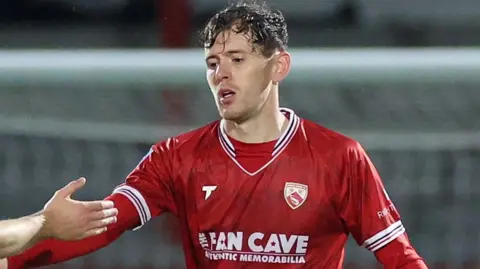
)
(229, 114)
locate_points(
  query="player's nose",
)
(222, 72)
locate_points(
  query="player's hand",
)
(68, 219)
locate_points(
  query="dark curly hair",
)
(266, 26)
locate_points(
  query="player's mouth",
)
(226, 96)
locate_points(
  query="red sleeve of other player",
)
(370, 215)
(145, 193)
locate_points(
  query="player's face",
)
(240, 76)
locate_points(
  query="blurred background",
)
(87, 86)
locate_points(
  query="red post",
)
(174, 18)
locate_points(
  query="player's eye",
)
(211, 65)
(237, 60)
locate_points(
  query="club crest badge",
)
(295, 194)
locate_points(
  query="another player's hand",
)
(68, 219)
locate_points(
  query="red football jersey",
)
(289, 203)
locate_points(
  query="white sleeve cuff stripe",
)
(385, 241)
(381, 234)
(137, 200)
(136, 203)
(384, 237)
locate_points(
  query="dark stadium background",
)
(436, 188)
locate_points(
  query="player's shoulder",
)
(190, 140)
(324, 139)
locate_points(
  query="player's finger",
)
(94, 232)
(98, 205)
(99, 215)
(72, 187)
(101, 223)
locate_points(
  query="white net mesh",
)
(423, 136)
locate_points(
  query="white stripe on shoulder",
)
(384, 237)
(285, 139)
(138, 201)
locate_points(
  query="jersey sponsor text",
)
(255, 247)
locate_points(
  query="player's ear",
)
(282, 66)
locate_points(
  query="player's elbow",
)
(404, 262)
(416, 263)
(400, 254)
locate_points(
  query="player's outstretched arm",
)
(16, 234)
(61, 218)
(146, 192)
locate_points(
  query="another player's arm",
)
(19, 234)
(371, 216)
(146, 192)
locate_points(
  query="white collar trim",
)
(282, 142)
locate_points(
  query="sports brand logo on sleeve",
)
(295, 194)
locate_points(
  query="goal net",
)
(65, 114)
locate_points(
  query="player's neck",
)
(267, 125)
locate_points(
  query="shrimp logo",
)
(295, 194)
